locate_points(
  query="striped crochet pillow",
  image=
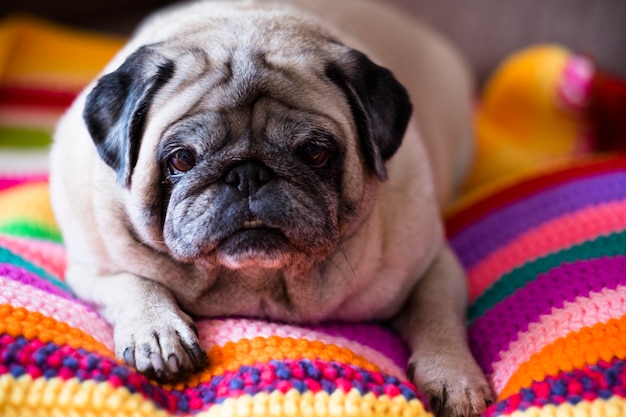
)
(546, 261)
(545, 258)
(56, 354)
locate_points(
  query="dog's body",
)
(240, 149)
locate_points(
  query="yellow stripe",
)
(46, 53)
(321, 404)
(25, 397)
(29, 201)
(614, 407)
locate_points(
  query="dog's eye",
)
(315, 155)
(182, 161)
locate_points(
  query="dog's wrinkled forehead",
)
(237, 77)
(238, 60)
(277, 32)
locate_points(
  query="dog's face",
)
(240, 146)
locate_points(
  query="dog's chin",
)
(264, 248)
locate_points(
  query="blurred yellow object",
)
(522, 122)
(35, 51)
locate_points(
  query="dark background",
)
(485, 30)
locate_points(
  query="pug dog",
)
(285, 161)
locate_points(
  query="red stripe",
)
(531, 186)
(20, 96)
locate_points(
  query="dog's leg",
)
(151, 332)
(441, 364)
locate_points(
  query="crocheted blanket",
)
(56, 352)
(546, 260)
(545, 256)
(545, 253)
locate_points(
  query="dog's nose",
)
(248, 176)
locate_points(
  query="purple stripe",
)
(373, 336)
(480, 239)
(501, 325)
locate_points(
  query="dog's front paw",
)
(164, 347)
(456, 387)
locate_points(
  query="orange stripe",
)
(233, 355)
(228, 358)
(32, 325)
(588, 346)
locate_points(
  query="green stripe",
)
(8, 257)
(24, 137)
(611, 245)
(30, 229)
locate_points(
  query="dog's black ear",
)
(116, 109)
(380, 106)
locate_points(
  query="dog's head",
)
(254, 140)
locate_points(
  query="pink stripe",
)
(550, 237)
(47, 255)
(62, 310)
(599, 307)
(220, 332)
(8, 181)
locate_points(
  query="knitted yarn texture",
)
(545, 256)
(56, 352)
(546, 261)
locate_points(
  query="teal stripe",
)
(8, 257)
(611, 245)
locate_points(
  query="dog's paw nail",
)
(156, 362)
(129, 356)
(198, 356)
(436, 405)
(194, 329)
(172, 364)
